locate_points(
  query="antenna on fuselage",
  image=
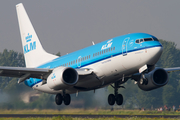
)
(93, 43)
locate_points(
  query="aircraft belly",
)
(89, 82)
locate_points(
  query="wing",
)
(172, 69)
(41, 73)
(24, 73)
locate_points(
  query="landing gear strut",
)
(66, 98)
(118, 98)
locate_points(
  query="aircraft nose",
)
(159, 50)
(155, 54)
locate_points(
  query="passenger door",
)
(124, 46)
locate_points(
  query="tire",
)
(67, 99)
(58, 99)
(111, 99)
(119, 99)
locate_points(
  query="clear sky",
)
(68, 25)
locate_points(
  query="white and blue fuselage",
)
(111, 60)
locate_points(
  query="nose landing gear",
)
(118, 98)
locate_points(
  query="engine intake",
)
(154, 79)
(160, 77)
(62, 78)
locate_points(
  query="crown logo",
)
(28, 38)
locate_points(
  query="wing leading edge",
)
(41, 73)
(24, 73)
(172, 69)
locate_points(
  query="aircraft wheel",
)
(111, 99)
(58, 99)
(119, 99)
(67, 99)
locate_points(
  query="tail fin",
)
(34, 53)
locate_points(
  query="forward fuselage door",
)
(79, 61)
(124, 46)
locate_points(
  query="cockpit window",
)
(148, 39)
(141, 40)
(155, 39)
(137, 41)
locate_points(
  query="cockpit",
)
(146, 39)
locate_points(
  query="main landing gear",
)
(66, 98)
(118, 98)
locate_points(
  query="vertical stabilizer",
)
(34, 53)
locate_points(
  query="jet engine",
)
(152, 80)
(62, 78)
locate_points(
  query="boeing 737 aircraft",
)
(113, 61)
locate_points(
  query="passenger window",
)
(89, 56)
(106, 50)
(113, 48)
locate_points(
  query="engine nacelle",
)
(62, 78)
(154, 79)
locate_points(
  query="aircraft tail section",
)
(34, 53)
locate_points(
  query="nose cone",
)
(155, 54)
(159, 51)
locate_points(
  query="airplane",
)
(113, 61)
